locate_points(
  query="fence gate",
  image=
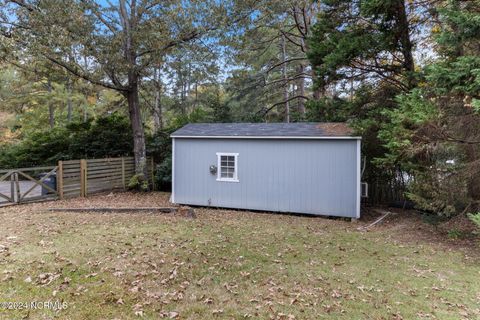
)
(72, 178)
(27, 184)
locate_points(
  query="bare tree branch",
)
(102, 19)
(295, 77)
(23, 4)
(287, 36)
(79, 74)
(286, 61)
(267, 110)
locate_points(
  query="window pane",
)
(227, 167)
(224, 173)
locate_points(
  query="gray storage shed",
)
(311, 168)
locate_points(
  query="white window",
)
(227, 167)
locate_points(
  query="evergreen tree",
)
(362, 54)
(435, 132)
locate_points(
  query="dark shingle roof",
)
(300, 129)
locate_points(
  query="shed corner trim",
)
(359, 177)
(173, 170)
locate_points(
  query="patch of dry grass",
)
(226, 264)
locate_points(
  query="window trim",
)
(219, 167)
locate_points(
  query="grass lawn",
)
(229, 265)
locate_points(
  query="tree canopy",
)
(404, 74)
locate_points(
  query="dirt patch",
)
(460, 223)
(409, 226)
(115, 200)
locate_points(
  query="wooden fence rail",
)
(88, 176)
(74, 178)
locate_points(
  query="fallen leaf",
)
(208, 301)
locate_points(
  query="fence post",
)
(17, 182)
(153, 177)
(12, 186)
(83, 178)
(85, 172)
(123, 173)
(60, 179)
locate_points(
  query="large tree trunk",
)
(301, 89)
(318, 93)
(196, 96)
(157, 113)
(285, 80)
(85, 106)
(183, 89)
(402, 30)
(157, 108)
(318, 88)
(69, 100)
(139, 149)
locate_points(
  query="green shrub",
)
(138, 182)
(106, 137)
(433, 218)
(455, 234)
(439, 190)
(164, 172)
(475, 218)
(159, 146)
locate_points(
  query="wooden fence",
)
(385, 193)
(83, 177)
(74, 178)
(27, 185)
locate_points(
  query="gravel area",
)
(6, 189)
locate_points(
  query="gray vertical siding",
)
(305, 176)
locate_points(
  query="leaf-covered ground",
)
(228, 265)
